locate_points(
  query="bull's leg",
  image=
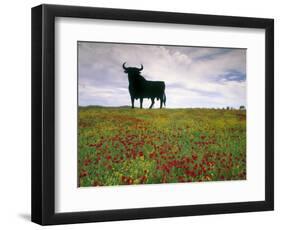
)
(152, 103)
(141, 100)
(161, 103)
(132, 100)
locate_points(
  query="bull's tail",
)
(164, 98)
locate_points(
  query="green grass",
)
(132, 146)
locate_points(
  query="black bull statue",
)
(140, 88)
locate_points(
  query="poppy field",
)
(123, 146)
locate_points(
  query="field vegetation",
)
(123, 146)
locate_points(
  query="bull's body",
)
(140, 88)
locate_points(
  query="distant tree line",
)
(241, 107)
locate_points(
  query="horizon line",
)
(129, 106)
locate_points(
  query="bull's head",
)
(132, 70)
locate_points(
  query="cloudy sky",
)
(194, 76)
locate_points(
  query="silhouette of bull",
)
(140, 88)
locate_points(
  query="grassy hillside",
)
(131, 146)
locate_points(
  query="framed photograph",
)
(142, 114)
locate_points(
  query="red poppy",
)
(202, 137)
(194, 157)
(84, 173)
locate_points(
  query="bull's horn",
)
(141, 68)
(124, 67)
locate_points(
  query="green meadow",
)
(123, 146)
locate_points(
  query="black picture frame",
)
(43, 114)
